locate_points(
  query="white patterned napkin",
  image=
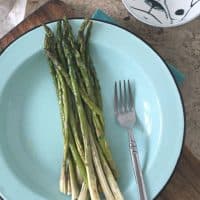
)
(12, 12)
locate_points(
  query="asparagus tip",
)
(65, 19)
(48, 30)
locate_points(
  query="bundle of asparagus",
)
(87, 168)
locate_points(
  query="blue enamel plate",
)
(30, 127)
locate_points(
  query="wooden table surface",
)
(185, 182)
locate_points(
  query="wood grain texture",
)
(185, 182)
(50, 11)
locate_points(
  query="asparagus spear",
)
(68, 32)
(93, 107)
(63, 180)
(83, 70)
(78, 159)
(79, 177)
(73, 179)
(110, 177)
(59, 37)
(97, 88)
(84, 49)
(89, 63)
(88, 83)
(62, 98)
(104, 145)
(84, 126)
(102, 178)
(74, 129)
(63, 102)
(50, 41)
(81, 40)
(69, 191)
(83, 193)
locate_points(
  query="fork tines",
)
(124, 101)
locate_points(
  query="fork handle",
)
(136, 166)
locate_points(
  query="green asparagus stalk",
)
(74, 129)
(63, 180)
(104, 145)
(76, 138)
(97, 88)
(50, 41)
(110, 177)
(69, 191)
(84, 49)
(84, 73)
(90, 68)
(59, 37)
(68, 32)
(74, 50)
(63, 101)
(99, 129)
(79, 177)
(81, 39)
(83, 193)
(53, 75)
(73, 179)
(48, 45)
(102, 178)
(89, 63)
(77, 159)
(82, 29)
(57, 85)
(62, 98)
(60, 103)
(84, 126)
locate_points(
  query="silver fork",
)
(126, 117)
